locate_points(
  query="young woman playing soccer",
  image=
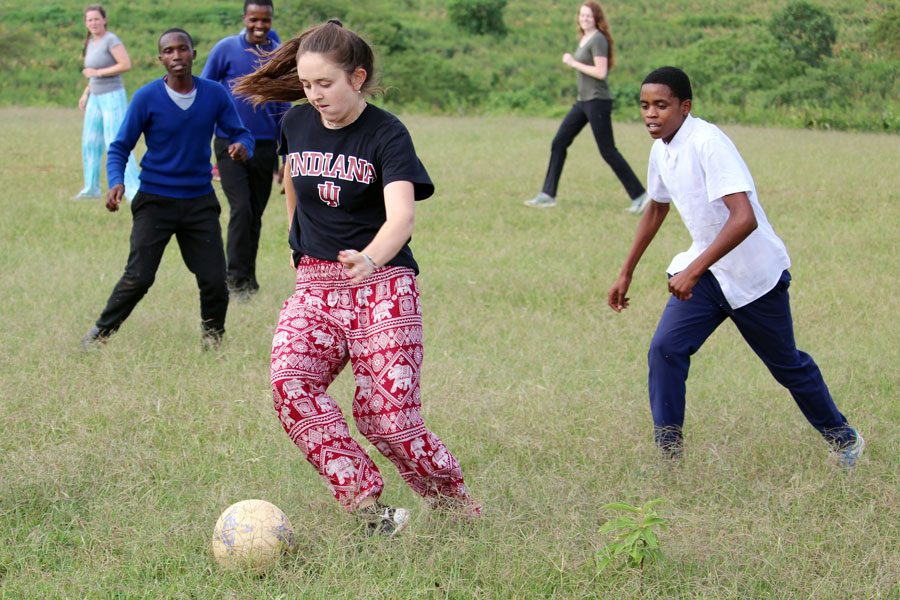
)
(592, 60)
(352, 179)
(104, 101)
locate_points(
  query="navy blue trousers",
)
(768, 328)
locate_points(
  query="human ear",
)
(358, 78)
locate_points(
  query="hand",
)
(568, 58)
(616, 298)
(279, 175)
(237, 151)
(89, 72)
(358, 265)
(114, 197)
(82, 102)
(681, 284)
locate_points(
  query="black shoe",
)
(240, 291)
(94, 339)
(211, 339)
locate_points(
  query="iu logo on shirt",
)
(330, 194)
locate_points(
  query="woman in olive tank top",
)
(592, 61)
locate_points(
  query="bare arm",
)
(399, 205)
(123, 64)
(82, 102)
(647, 228)
(599, 70)
(741, 223)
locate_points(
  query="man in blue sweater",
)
(176, 115)
(247, 184)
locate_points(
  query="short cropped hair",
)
(176, 30)
(675, 78)
(258, 3)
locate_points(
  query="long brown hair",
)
(277, 80)
(602, 25)
(87, 37)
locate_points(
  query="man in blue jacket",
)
(176, 115)
(247, 184)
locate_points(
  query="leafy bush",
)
(478, 16)
(427, 81)
(804, 29)
(734, 65)
(886, 31)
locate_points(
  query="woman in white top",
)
(104, 101)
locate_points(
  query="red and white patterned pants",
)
(377, 326)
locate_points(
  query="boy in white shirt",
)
(735, 268)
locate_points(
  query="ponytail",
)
(277, 79)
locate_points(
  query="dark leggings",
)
(598, 114)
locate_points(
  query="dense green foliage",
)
(805, 30)
(748, 60)
(478, 16)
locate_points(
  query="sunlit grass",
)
(115, 465)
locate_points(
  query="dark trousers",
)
(247, 186)
(599, 114)
(195, 224)
(767, 327)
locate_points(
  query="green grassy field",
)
(115, 465)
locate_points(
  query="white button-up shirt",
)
(695, 170)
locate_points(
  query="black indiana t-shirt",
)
(339, 177)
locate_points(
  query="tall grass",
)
(115, 465)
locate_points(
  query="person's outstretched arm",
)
(242, 141)
(649, 224)
(117, 156)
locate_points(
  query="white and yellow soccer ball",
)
(251, 535)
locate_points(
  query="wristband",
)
(369, 258)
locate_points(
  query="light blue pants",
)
(102, 117)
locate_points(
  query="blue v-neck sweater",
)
(176, 163)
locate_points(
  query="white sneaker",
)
(383, 520)
(542, 200)
(639, 204)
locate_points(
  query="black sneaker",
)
(211, 339)
(383, 520)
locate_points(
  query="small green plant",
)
(636, 539)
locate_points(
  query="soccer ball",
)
(251, 535)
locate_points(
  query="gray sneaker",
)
(849, 455)
(639, 204)
(383, 520)
(542, 200)
(94, 339)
